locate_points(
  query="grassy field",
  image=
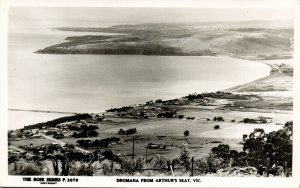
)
(169, 132)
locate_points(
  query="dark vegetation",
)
(122, 109)
(85, 131)
(180, 116)
(268, 153)
(168, 114)
(57, 121)
(58, 135)
(127, 132)
(103, 143)
(82, 127)
(254, 121)
(218, 118)
(186, 133)
(85, 134)
(218, 95)
(121, 49)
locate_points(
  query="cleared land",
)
(243, 40)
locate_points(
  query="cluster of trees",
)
(57, 121)
(225, 95)
(194, 96)
(268, 153)
(179, 116)
(127, 132)
(103, 143)
(58, 135)
(171, 102)
(254, 121)
(122, 109)
(82, 127)
(85, 134)
(218, 118)
(218, 95)
(50, 132)
(87, 131)
(167, 114)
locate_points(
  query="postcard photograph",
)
(150, 91)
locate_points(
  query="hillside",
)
(243, 41)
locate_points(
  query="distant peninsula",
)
(245, 40)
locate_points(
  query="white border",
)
(160, 3)
(6, 180)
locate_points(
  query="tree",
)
(25, 168)
(93, 133)
(217, 127)
(186, 133)
(185, 158)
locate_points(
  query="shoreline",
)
(230, 89)
(271, 75)
(198, 115)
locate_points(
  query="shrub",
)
(217, 127)
(131, 166)
(168, 114)
(186, 133)
(127, 132)
(159, 162)
(85, 133)
(185, 158)
(25, 168)
(180, 116)
(194, 96)
(218, 118)
(207, 165)
(80, 168)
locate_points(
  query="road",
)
(63, 143)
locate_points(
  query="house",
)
(36, 136)
(152, 146)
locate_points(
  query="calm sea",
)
(93, 83)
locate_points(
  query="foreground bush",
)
(268, 153)
(23, 167)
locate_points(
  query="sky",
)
(102, 17)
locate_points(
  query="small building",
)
(36, 136)
(152, 146)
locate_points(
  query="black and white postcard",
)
(150, 93)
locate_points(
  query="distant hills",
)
(249, 40)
